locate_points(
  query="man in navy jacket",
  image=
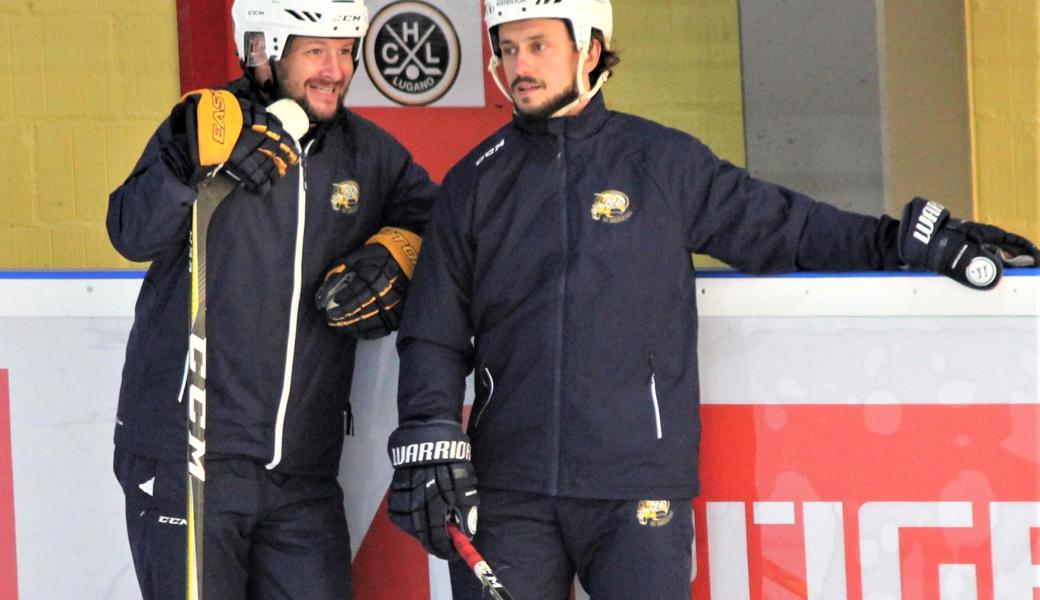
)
(557, 265)
(278, 377)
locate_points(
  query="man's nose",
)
(335, 67)
(524, 62)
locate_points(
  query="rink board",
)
(865, 437)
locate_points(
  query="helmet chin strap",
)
(492, 68)
(583, 94)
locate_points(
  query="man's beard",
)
(549, 108)
(312, 115)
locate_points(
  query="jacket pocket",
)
(653, 394)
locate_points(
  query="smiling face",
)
(316, 73)
(540, 62)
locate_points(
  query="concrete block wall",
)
(811, 98)
(82, 86)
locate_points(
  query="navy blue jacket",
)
(562, 248)
(278, 402)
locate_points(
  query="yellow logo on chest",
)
(611, 206)
(346, 197)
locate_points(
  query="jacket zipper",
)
(294, 310)
(554, 483)
(489, 382)
(653, 394)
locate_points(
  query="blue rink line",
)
(702, 273)
(728, 274)
(71, 274)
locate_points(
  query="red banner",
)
(8, 556)
(869, 501)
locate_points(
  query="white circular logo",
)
(412, 53)
(471, 520)
(981, 271)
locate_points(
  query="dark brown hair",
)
(608, 59)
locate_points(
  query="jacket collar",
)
(583, 125)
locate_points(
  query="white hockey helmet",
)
(275, 20)
(581, 16)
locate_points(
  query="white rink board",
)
(720, 294)
(806, 340)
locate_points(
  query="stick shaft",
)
(477, 563)
(211, 192)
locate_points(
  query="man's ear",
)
(595, 49)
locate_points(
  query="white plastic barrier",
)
(865, 437)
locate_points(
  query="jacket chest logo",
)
(346, 196)
(611, 206)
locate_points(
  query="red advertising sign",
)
(869, 501)
(8, 557)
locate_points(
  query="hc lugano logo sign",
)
(412, 53)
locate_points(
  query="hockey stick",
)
(476, 562)
(212, 191)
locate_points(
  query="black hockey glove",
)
(363, 294)
(433, 482)
(264, 151)
(213, 127)
(973, 254)
(181, 151)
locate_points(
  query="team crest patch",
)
(611, 206)
(345, 196)
(655, 513)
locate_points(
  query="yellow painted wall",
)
(680, 65)
(1004, 62)
(82, 86)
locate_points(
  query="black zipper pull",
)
(348, 421)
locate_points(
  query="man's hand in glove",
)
(974, 254)
(363, 294)
(214, 127)
(433, 482)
